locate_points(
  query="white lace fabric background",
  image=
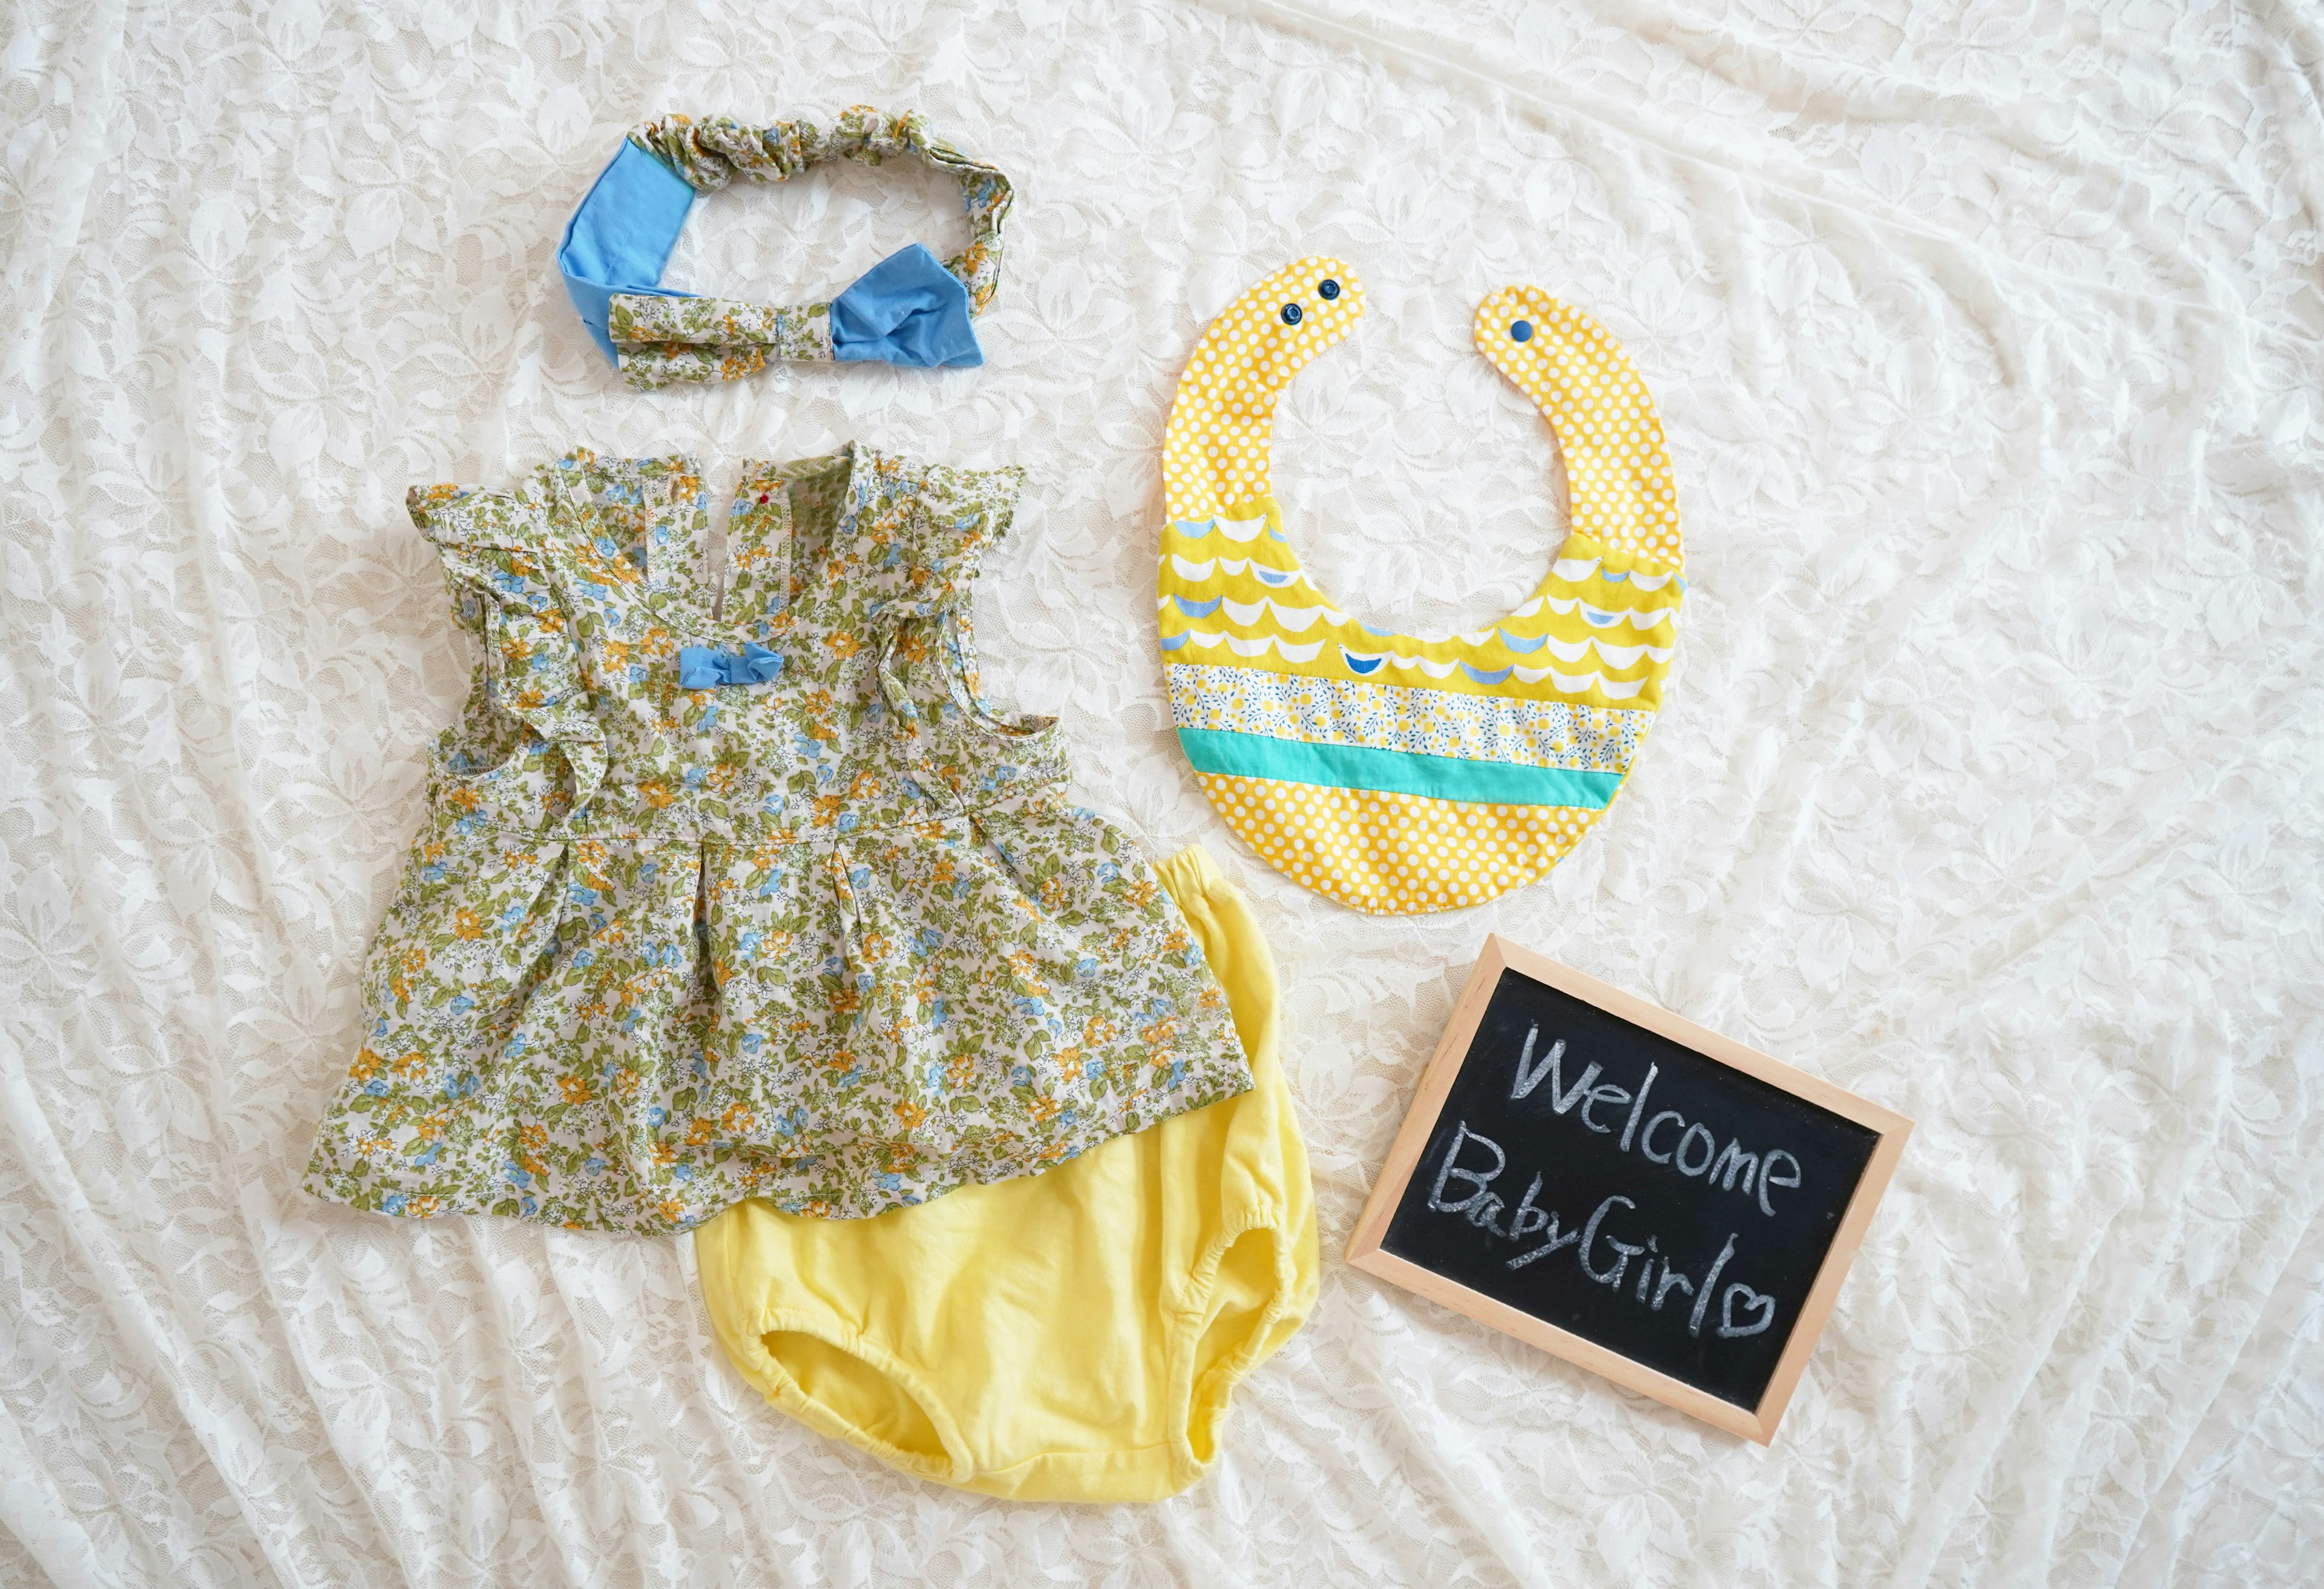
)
(1987, 338)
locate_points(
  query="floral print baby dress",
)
(826, 932)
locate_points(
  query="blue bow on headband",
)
(701, 667)
(908, 310)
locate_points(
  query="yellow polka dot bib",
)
(1393, 774)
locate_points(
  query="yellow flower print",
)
(408, 966)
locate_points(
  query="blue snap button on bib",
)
(1290, 314)
(1329, 288)
(1522, 330)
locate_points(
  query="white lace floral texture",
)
(1987, 337)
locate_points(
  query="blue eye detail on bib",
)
(1522, 330)
(1290, 314)
(1329, 289)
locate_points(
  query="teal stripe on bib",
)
(1226, 754)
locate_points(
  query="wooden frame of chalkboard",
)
(1744, 1390)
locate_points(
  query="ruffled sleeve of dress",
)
(499, 570)
(958, 516)
(967, 744)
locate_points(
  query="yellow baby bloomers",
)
(1067, 1336)
(1396, 774)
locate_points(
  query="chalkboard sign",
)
(1628, 1190)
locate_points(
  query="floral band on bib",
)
(910, 309)
(1397, 773)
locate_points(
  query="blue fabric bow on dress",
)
(701, 667)
(908, 310)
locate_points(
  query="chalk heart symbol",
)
(1752, 1301)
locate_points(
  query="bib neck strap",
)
(910, 309)
(1215, 452)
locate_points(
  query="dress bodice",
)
(587, 581)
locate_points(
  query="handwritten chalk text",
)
(1600, 1249)
(1691, 1148)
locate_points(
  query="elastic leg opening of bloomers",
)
(1075, 1335)
(829, 1377)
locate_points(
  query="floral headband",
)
(907, 309)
